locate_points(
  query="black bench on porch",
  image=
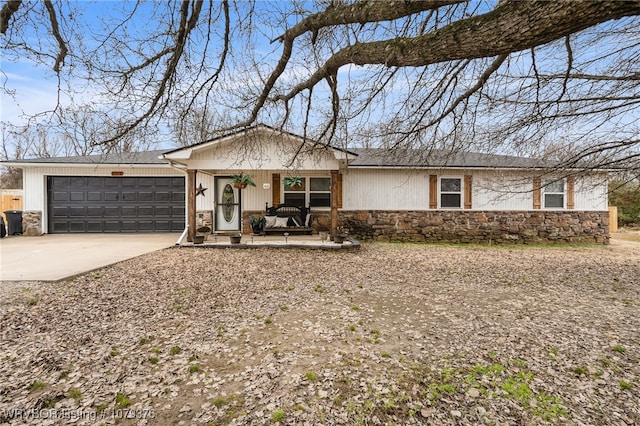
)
(287, 218)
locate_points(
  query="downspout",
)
(186, 222)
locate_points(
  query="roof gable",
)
(259, 147)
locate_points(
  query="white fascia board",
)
(183, 154)
(84, 165)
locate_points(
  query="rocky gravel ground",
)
(393, 334)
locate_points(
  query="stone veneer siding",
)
(32, 223)
(468, 226)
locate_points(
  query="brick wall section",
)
(460, 226)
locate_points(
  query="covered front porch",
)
(268, 156)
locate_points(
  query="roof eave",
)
(21, 164)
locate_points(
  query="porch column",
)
(334, 202)
(191, 203)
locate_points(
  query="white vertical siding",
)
(591, 192)
(502, 190)
(205, 202)
(261, 152)
(383, 189)
(253, 198)
(390, 189)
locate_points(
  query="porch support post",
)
(334, 202)
(191, 203)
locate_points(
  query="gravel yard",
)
(393, 334)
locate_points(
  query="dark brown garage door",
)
(115, 204)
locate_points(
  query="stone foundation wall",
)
(32, 223)
(459, 226)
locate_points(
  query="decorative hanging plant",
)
(293, 182)
(241, 180)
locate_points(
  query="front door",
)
(227, 208)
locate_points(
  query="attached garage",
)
(129, 192)
(78, 204)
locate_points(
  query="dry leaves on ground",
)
(392, 334)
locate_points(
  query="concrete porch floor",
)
(273, 241)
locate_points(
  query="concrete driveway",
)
(55, 257)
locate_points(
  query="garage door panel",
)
(145, 196)
(145, 211)
(146, 225)
(77, 181)
(94, 226)
(60, 182)
(129, 211)
(59, 227)
(115, 204)
(59, 212)
(163, 211)
(111, 226)
(77, 211)
(163, 196)
(77, 226)
(60, 196)
(129, 226)
(163, 226)
(146, 182)
(76, 196)
(111, 196)
(129, 196)
(112, 211)
(95, 211)
(94, 196)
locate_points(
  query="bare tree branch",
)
(362, 12)
(55, 29)
(510, 27)
(188, 22)
(8, 9)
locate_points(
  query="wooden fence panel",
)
(613, 219)
(10, 202)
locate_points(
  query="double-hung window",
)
(314, 191)
(554, 194)
(451, 192)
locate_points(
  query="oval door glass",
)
(228, 203)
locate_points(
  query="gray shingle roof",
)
(377, 157)
(366, 157)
